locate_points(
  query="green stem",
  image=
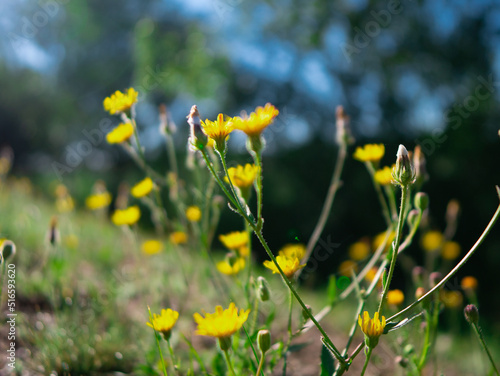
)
(158, 343)
(469, 254)
(258, 162)
(228, 361)
(233, 190)
(172, 357)
(427, 343)
(367, 360)
(395, 248)
(261, 364)
(485, 347)
(327, 206)
(258, 233)
(290, 334)
(381, 198)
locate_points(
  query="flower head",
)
(450, 250)
(120, 102)
(143, 188)
(404, 172)
(293, 251)
(395, 297)
(359, 250)
(165, 322)
(234, 240)
(120, 134)
(98, 201)
(198, 138)
(242, 177)
(231, 268)
(257, 121)
(369, 153)
(127, 216)
(222, 323)
(347, 267)
(384, 175)
(372, 328)
(151, 247)
(469, 283)
(289, 265)
(178, 237)
(432, 240)
(218, 130)
(193, 213)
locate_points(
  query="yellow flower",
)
(225, 267)
(450, 250)
(369, 153)
(244, 251)
(293, 251)
(65, 204)
(143, 188)
(452, 299)
(384, 175)
(120, 102)
(254, 124)
(234, 240)
(193, 213)
(178, 237)
(432, 240)
(242, 177)
(359, 251)
(221, 323)
(151, 247)
(127, 216)
(98, 201)
(287, 264)
(395, 297)
(346, 266)
(469, 283)
(372, 328)
(219, 129)
(120, 134)
(379, 239)
(165, 322)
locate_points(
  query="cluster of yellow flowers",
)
(223, 323)
(288, 259)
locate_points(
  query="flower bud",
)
(264, 340)
(419, 164)
(412, 217)
(7, 249)
(435, 278)
(403, 173)
(263, 289)
(418, 274)
(471, 314)
(343, 134)
(402, 362)
(198, 139)
(421, 201)
(305, 314)
(419, 292)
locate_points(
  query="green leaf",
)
(327, 362)
(332, 289)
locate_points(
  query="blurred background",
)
(410, 72)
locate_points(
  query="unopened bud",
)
(402, 362)
(421, 201)
(264, 340)
(263, 289)
(8, 249)
(412, 217)
(198, 139)
(471, 314)
(418, 274)
(452, 211)
(343, 134)
(419, 292)
(435, 278)
(403, 173)
(419, 165)
(306, 314)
